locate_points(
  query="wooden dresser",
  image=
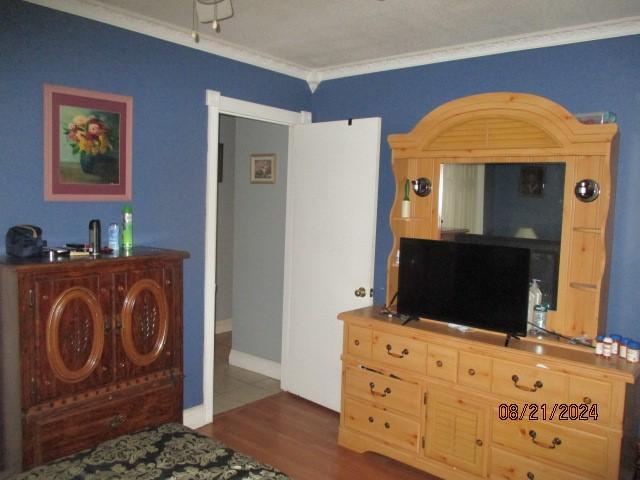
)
(91, 349)
(460, 405)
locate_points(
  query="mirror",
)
(514, 204)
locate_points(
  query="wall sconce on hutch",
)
(422, 186)
(587, 190)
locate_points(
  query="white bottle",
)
(535, 298)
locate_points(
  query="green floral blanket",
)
(171, 451)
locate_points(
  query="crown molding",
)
(313, 77)
(154, 28)
(550, 38)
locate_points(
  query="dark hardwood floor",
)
(300, 438)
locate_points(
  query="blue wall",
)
(585, 77)
(167, 83)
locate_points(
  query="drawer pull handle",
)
(386, 425)
(587, 400)
(531, 476)
(370, 419)
(372, 386)
(472, 372)
(479, 442)
(439, 363)
(117, 421)
(554, 443)
(404, 352)
(357, 342)
(536, 386)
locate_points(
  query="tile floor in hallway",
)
(234, 386)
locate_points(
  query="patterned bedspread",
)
(171, 451)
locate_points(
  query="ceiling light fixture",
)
(210, 11)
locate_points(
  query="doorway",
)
(251, 200)
(217, 105)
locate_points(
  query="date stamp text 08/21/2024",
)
(544, 411)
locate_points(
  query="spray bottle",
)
(535, 298)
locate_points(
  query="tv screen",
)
(482, 286)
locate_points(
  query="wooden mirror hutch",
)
(461, 405)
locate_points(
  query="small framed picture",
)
(263, 168)
(87, 145)
(532, 181)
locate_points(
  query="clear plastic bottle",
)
(535, 298)
(127, 227)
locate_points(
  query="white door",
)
(333, 184)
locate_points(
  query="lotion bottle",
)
(406, 202)
(535, 298)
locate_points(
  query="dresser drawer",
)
(565, 446)
(402, 352)
(359, 341)
(383, 390)
(474, 371)
(507, 466)
(595, 394)
(528, 383)
(383, 425)
(442, 363)
(74, 429)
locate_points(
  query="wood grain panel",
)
(528, 383)
(442, 363)
(401, 352)
(508, 466)
(383, 390)
(390, 427)
(554, 443)
(456, 431)
(475, 371)
(359, 341)
(84, 425)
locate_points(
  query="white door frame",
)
(218, 104)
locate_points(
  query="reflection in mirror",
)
(515, 204)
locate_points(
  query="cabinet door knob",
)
(479, 442)
(360, 292)
(439, 363)
(357, 342)
(370, 419)
(116, 421)
(587, 400)
(472, 372)
(530, 476)
(387, 425)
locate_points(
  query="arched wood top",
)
(502, 120)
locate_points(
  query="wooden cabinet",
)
(100, 348)
(460, 405)
(456, 430)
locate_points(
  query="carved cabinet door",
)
(144, 318)
(70, 346)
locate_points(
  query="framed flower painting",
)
(87, 145)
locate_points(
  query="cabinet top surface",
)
(137, 253)
(579, 356)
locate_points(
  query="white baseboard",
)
(194, 417)
(254, 364)
(224, 325)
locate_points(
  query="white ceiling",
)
(317, 39)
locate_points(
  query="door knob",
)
(360, 292)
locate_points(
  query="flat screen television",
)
(481, 286)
